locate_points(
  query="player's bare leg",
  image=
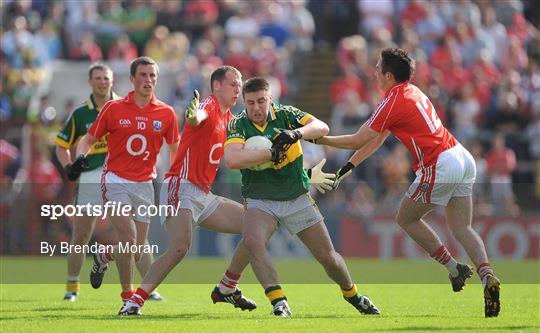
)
(130, 232)
(227, 218)
(257, 229)
(459, 216)
(317, 240)
(143, 265)
(179, 230)
(83, 227)
(410, 219)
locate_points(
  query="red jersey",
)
(408, 114)
(201, 147)
(135, 135)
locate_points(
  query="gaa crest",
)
(157, 125)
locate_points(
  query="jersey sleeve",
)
(296, 118)
(235, 134)
(172, 135)
(100, 127)
(68, 135)
(384, 115)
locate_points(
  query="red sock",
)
(484, 271)
(106, 257)
(125, 295)
(442, 255)
(228, 282)
(140, 296)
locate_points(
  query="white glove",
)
(321, 181)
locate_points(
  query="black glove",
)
(278, 154)
(285, 138)
(342, 173)
(74, 170)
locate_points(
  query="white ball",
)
(257, 143)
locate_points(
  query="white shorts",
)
(89, 188)
(176, 192)
(126, 192)
(452, 176)
(296, 215)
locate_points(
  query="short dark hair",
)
(141, 61)
(219, 74)
(398, 62)
(96, 66)
(255, 84)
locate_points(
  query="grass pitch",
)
(316, 307)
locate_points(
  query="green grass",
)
(316, 307)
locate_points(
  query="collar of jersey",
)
(92, 105)
(129, 98)
(271, 116)
(395, 86)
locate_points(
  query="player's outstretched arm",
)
(360, 156)
(236, 157)
(352, 141)
(314, 129)
(368, 149)
(195, 116)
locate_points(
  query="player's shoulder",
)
(83, 107)
(284, 109)
(238, 122)
(208, 103)
(113, 103)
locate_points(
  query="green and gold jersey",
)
(285, 181)
(77, 125)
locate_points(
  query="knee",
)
(80, 237)
(253, 243)
(404, 221)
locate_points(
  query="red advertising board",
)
(505, 238)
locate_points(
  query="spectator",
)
(87, 50)
(301, 25)
(199, 15)
(273, 26)
(123, 50)
(168, 14)
(376, 15)
(414, 11)
(242, 25)
(496, 31)
(501, 162)
(349, 113)
(465, 112)
(140, 19)
(18, 43)
(48, 43)
(156, 47)
(430, 28)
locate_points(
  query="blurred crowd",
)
(477, 60)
